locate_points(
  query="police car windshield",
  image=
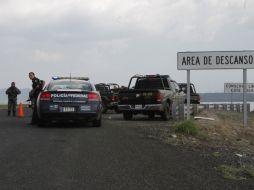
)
(65, 85)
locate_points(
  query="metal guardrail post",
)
(231, 107)
(238, 108)
(195, 109)
(174, 110)
(181, 112)
(225, 107)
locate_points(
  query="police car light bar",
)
(77, 78)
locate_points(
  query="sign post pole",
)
(245, 117)
(188, 94)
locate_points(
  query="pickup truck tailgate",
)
(133, 97)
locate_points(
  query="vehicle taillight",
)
(114, 98)
(45, 96)
(159, 97)
(199, 99)
(93, 96)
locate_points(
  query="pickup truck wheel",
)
(127, 115)
(104, 108)
(117, 110)
(151, 115)
(166, 113)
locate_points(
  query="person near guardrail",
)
(12, 93)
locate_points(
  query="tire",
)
(117, 110)
(97, 123)
(127, 115)
(151, 115)
(41, 123)
(166, 114)
(104, 108)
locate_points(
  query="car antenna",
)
(70, 76)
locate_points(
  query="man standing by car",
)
(37, 86)
(12, 93)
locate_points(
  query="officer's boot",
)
(9, 113)
(13, 113)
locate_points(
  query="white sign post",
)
(245, 116)
(216, 60)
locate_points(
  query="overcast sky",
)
(111, 40)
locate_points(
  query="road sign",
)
(215, 60)
(238, 87)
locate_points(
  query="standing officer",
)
(37, 86)
(12, 93)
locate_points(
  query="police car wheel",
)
(97, 123)
(41, 123)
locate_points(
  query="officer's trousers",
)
(12, 104)
(34, 107)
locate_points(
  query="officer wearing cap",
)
(12, 93)
(37, 86)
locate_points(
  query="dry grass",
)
(228, 128)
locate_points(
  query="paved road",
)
(115, 156)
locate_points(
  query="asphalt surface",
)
(115, 156)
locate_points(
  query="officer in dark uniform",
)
(12, 93)
(37, 86)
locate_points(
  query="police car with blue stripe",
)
(69, 99)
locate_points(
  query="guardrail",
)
(180, 111)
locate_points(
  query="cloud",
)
(112, 40)
(44, 56)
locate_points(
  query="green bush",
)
(187, 127)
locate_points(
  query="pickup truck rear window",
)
(151, 83)
(184, 88)
(102, 88)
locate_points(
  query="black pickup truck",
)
(151, 95)
(109, 96)
(194, 96)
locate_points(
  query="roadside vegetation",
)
(3, 106)
(241, 172)
(224, 139)
(226, 129)
(187, 127)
